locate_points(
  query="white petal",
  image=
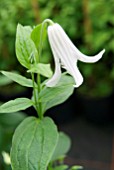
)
(58, 46)
(88, 59)
(63, 50)
(77, 54)
(77, 77)
(64, 53)
(67, 40)
(56, 77)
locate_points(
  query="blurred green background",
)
(89, 24)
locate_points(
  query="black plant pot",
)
(97, 110)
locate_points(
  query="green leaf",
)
(18, 79)
(25, 47)
(43, 69)
(61, 167)
(33, 144)
(76, 167)
(38, 34)
(12, 120)
(52, 96)
(63, 146)
(16, 105)
(4, 80)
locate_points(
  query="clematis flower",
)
(66, 55)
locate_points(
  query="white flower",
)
(66, 55)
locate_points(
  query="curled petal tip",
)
(100, 54)
(90, 59)
(103, 51)
(78, 83)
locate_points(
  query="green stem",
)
(38, 75)
(39, 90)
(42, 29)
(39, 104)
(48, 21)
(35, 98)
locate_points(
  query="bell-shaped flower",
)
(66, 55)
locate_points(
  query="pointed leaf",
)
(43, 69)
(18, 78)
(33, 144)
(25, 47)
(16, 105)
(63, 146)
(39, 33)
(52, 96)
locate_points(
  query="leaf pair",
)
(19, 103)
(49, 97)
(36, 143)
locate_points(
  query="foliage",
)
(89, 25)
(32, 145)
(37, 144)
(7, 127)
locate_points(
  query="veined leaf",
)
(39, 33)
(18, 79)
(62, 147)
(43, 69)
(16, 105)
(25, 47)
(33, 144)
(52, 96)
